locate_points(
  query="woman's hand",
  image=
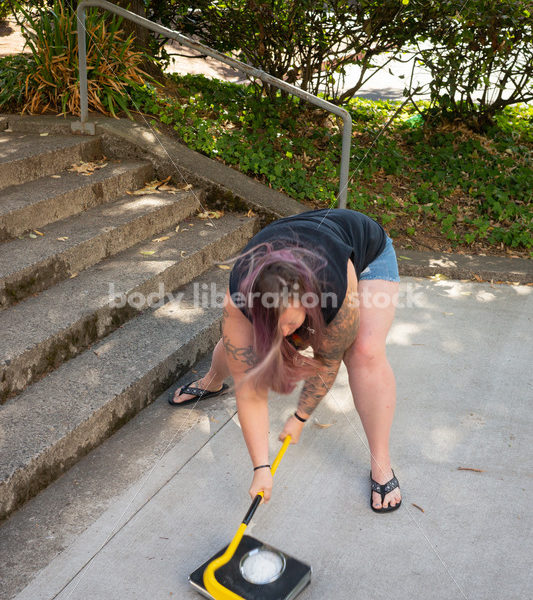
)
(262, 482)
(293, 427)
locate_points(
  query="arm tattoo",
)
(244, 355)
(340, 334)
(317, 386)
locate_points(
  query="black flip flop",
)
(383, 490)
(201, 394)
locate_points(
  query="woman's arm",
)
(340, 334)
(252, 403)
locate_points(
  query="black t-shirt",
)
(335, 234)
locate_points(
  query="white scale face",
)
(262, 566)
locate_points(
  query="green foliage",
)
(13, 72)
(261, 137)
(113, 66)
(306, 43)
(472, 188)
(11, 7)
(475, 54)
(5, 9)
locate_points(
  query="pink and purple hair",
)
(286, 272)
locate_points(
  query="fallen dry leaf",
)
(477, 277)
(161, 239)
(404, 257)
(37, 232)
(55, 176)
(317, 423)
(86, 168)
(32, 235)
(73, 275)
(147, 252)
(224, 267)
(250, 214)
(470, 469)
(210, 224)
(210, 214)
(43, 134)
(171, 189)
(177, 229)
(438, 277)
(183, 253)
(62, 239)
(153, 187)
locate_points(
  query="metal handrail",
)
(85, 127)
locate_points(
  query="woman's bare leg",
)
(214, 378)
(371, 378)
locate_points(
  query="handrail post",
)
(345, 159)
(83, 126)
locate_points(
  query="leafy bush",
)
(13, 72)
(4, 9)
(303, 42)
(485, 46)
(112, 64)
(470, 189)
(11, 7)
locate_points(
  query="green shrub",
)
(470, 188)
(304, 42)
(476, 53)
(4, 9)
(52, 83)
(13, 72)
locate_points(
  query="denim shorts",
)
(384, 266)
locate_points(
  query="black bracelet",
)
(261, 467)
(301, 419)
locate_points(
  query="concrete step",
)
(29, 266)
(37, 203)
(129, 463)
(40, 333)
(25, 157)
(56, 421)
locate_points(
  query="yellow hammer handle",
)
(216, 589)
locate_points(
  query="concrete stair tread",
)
(19, 254)
(34, 192)
(23, 326)
(17, 146)
(60, 418)
(70, 245)
(25, 157)
(40, 333)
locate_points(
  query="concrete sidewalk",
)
(170, 488)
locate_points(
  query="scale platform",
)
(286, 584)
